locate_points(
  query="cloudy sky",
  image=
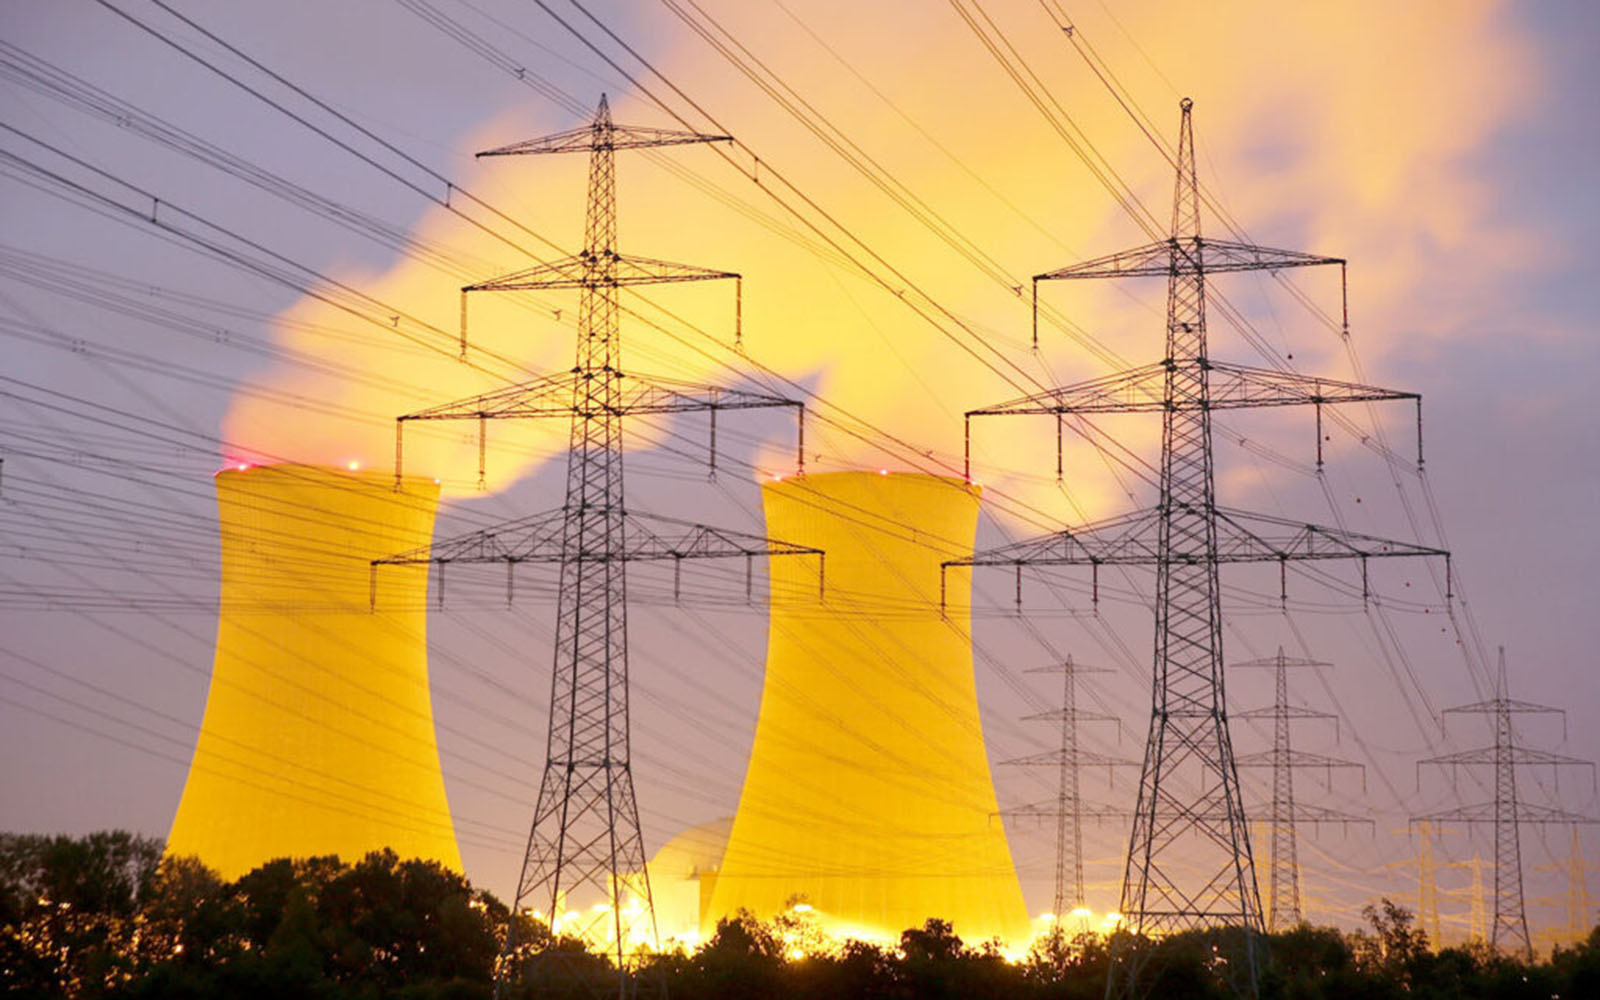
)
(239, 235)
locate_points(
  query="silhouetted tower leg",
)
(1189, 812)
(1285, 852)
(1510, 918)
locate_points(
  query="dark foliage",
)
(105, 916)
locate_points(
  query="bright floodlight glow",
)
(802, 908)
(1081, 911)
(353, 465)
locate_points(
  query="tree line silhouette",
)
(105, 915)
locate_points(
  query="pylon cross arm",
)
(555, 396)
(1242, 537)
(1187, 255)
(1292, 758)
(1314, 814)
(1055, 758)
(1143, 390)
(542, 538)
(1287, 711)
(1484, 812)
(1082, 808)
(579, 272)
(1514, 754)
(1498, 705)
(587, 138)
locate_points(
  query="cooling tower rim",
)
(316, 474)
(840, 475)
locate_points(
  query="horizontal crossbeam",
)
(555, 396)
(1232, 387)
(1514, 754)
(1293, 758)
(585, 271)
(1242, 537)
(1187, 255)
(1485, 812)
(1314, 815)
(1055, 758)
(1287, 711)
(1051, 808)
(541, 538)
(587, 138)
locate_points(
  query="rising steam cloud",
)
(1324, 127)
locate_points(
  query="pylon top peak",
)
(1186, 105)
(601, 135)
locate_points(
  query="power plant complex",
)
(318, 734)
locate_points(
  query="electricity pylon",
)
(585, 835)
(1580, 908)
(1068, 809)
(1506, 813)
(1283, 911)
(1428, 884)
(1577, 901)
(1189, 862)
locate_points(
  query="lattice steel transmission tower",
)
(1286, 815)
(1506, 812)
(1427, 883)
(1580, 907)
(1189, 861)
(1068, 808)
(585, 836)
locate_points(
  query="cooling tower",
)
(868, 794)
(318, 731)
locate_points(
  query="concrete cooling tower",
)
(868, 794)
(318, 732)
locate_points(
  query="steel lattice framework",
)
(1189, 862)
(1068, 808)
(1286, 815)
(585, 835)
(1506, 813)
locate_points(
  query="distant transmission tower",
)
(1189, 861)
(585, 836)
(1506, 812)
(1428, 885)
(1068, 809)
(1580, 908)
(1283, 911)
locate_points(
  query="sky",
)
(238, 235)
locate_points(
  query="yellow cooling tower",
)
(318, 732)
(868, 792)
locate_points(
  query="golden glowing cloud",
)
(1347, 129)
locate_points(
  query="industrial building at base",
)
(318, 733)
